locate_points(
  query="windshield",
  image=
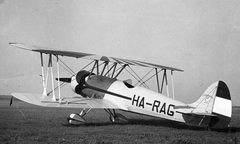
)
(128, 85)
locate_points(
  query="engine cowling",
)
(90, 85)
(79, 81)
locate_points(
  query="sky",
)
(202, 37)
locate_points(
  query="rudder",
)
(213, 108)
(222, 106)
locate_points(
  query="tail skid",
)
(212, 109)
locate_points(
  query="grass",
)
(25, 123)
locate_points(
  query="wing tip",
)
(15, 43)
(173, 69)
(21, 45)
(180, 70)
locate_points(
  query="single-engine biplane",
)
(100, 87)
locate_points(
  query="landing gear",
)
(116, 117)
(84, 111)
(77, 119)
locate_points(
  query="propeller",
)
(66, 80)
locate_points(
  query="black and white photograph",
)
(120, 71)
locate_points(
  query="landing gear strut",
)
(77, 119)
(116, 117)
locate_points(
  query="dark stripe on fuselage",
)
(118, 95)
(223, 91)
(100, 84)
(108, 92)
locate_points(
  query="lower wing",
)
(70, 102)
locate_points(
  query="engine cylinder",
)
(78, 82)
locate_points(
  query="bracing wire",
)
(73, 73)
(138, 78)
(145, 76)
(152, 76)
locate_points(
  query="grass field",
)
(25, 123)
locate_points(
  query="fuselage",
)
(130, 98)
(144, 101)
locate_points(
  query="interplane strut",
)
(104, 69)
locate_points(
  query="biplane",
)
(100, 87)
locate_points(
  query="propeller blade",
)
(67, 80)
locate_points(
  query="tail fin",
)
(223, 105)
(215, 106)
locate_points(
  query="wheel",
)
(76, 119)
(118, 119)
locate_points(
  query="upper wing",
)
(89, 56)
(70, 102)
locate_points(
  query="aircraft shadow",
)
(178, 125)
(157, 122)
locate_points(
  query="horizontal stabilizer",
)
(183, 107)
(201, 114)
